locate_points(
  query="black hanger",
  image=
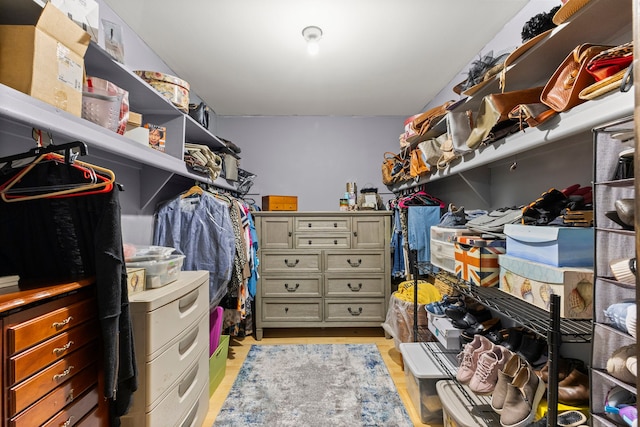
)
(38, 151)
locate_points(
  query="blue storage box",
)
(556, 246)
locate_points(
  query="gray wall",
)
(312, 157)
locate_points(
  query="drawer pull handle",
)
(286, 286)
(353, 313)
(355, 234)
(354, 264)
(291, 264)
(58, 351)
(68, 422)
(286, 309)
(60, 325)
(290, 234)
(335, 242)
(309, 225)
(353, 288)
(188, 382)
(63, 374)
(189, 342)
(309, 241)
(188, 301)
(335, 225)
(70, 397)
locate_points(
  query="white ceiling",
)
(377, 57)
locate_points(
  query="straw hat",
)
(569, 7)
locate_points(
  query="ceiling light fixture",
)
(312, 35)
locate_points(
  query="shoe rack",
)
(612, 242)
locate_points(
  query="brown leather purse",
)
(425, 121)
(493, 122)
(562, 90)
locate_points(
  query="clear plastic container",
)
(135, 253)
(102, 109)
(160, 272)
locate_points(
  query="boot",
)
(523, 396)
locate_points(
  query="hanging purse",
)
(563, 88)
(200, 113)
(417, 166)
(531, 115)
(423, 122)
(493, 122)
(395, 168)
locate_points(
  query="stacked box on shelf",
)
(477, 260)
(443, 246)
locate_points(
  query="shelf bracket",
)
(473, 188)
(154, 180)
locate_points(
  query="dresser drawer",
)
(55, 401)
(186, 392)
(443, 255)
(198, 412)
(356, 311)
(354, 286)
(94, 418)
(162, 372)
(324, 224)
(32, 360)
(307, 310)
(161, 325)
(323, 240)
(73, 413)
(354, 261)
(289, 262)
(29, 332)
(294, 286)
(33, 388)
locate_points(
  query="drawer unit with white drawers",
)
(171, 333)
(322, 269)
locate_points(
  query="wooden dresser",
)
(171, 333)
(322, 269)
(51, 373)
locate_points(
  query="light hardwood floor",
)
(239, 347)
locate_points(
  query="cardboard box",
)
(135, 280)
(46, 60)
(134, 120)
(556, 246)
(444, 331)
(422, 374)
(157, 136)
(85, 13)
(535, 282)
(279, 203)
(218, 364)
(477, 260)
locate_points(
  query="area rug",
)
(313, 385)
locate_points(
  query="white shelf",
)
(580, 119)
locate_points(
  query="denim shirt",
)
(200, 228)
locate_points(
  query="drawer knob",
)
(353, 288)
(293, 289)
(309, 241)
(58, 351)
(354, 264)
(63, 374)
(335, 225)
(290, 234)
(355, 234)
(355, 313)
(335, 242)
(286, 309)
(60, 325)
(68, 422)
(291, 264)
(309, 225)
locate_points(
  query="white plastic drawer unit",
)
(164, 313)
(443, 255)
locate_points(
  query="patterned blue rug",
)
(313, 385)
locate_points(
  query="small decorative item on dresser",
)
(279, 203)
(135, 280)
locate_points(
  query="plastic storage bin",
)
(422, 373)
(458, 410)
(160, 272)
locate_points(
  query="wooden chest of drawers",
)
(51, 357)
(322, 269)
(171, 333)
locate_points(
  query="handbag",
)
(425, 121)
(531, 114)
(610, 61)
(417, 165)
(200, 113)
(395, 168)
(562, 90)
(431, 149)
(493, 122)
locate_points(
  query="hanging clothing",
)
(69, 238)
(200, 227)
(397, 246)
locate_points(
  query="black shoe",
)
(531, 348)
(513, 340)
